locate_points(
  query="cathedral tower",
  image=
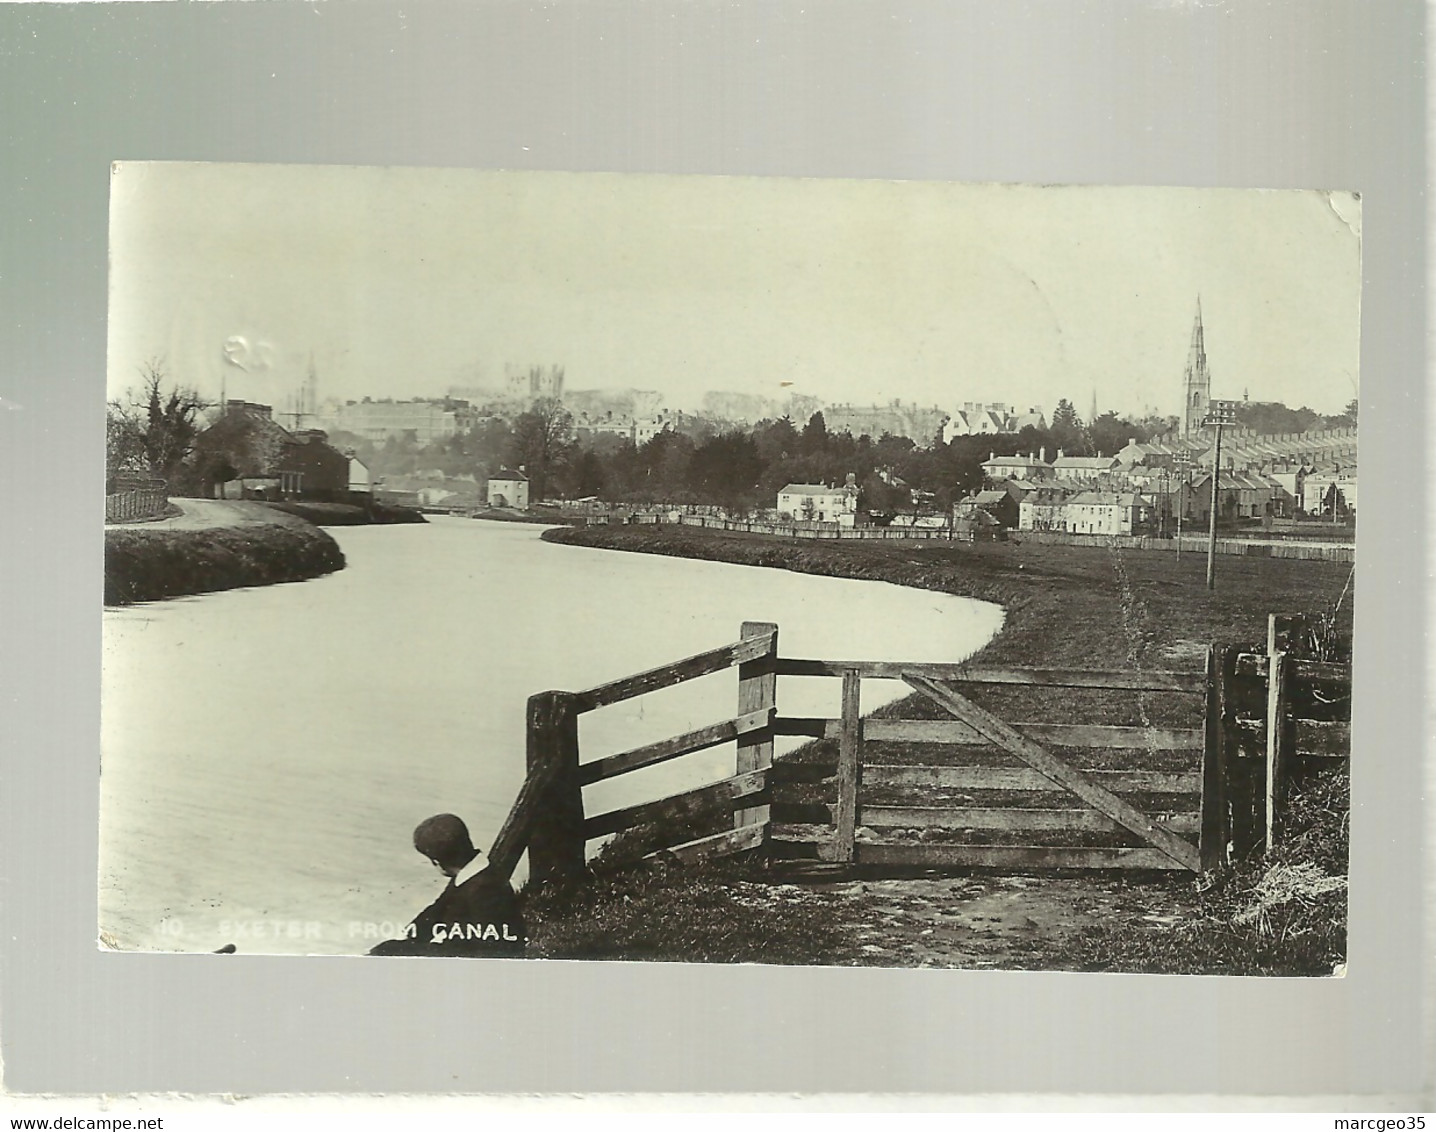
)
(1196, 381)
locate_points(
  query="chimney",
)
(1044, 454)
(852, 480)
(991, 456)
(1059, 453)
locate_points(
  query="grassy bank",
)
(497, 515)
(348, 514)
(152, 564)
(1065, 607)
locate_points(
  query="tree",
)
(876, 494)
(156, 431)
(665, 459)
(124, 442)
(776, 440)
(1110, 433)
(585, 475)
(889, 451)
(815, 435)
(541, 440)
(1066, 426)
(725, 470)
(1267, 417)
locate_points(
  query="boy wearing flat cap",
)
(477, 914)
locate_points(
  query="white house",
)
(509, 489)
(1026, 467)
(1083, 467)
(646, 430)
(990, 419)
(360, 478)
(1316, 490)
(1044, 509)
(816, 502)
(1103, 513)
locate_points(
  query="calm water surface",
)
(266, 752)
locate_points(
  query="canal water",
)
(267, 752)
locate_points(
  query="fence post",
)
(1279, 640)
(557, 843)
(757, 691)
(1283, 631)
(849, 745)
(1214, 821)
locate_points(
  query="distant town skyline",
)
(408, 282)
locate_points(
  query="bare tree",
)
(124, 442)
(540, 442)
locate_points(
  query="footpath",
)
(207, 514)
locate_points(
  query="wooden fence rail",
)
(549, 817)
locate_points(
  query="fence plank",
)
(1326, 672)
(1010, 857)
(1181, 851)
(1022, 778)
(746, 785)
(800, 841)
(981, 817)
(1146, 681)
(717, 845)
(1276, 698)
(757, 692)
(849, 745)
(690, 668)
(665, 749)
(1057, 734)
(1323, 740)
(1216, 822)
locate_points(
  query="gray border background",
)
(1315, 95)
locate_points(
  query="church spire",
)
(1196, 379)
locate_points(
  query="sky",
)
(404, 282)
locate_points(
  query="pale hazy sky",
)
(403, 282)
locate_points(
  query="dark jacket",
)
(479, 917)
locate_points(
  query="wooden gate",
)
(962, 787)
(970, 789)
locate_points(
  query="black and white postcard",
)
(730, 570)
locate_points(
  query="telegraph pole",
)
(1219, 413)
(1182, 466)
